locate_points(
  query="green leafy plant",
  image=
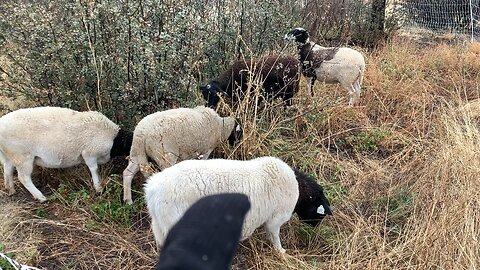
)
(4, 264)
(41, 212)
(366, 141)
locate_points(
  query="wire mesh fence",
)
(459, 17)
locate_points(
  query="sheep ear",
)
(236, 135)
(324, 210)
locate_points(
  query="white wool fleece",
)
(175, 135)
(269, 183)
(53, 137)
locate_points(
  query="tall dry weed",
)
(445, 229)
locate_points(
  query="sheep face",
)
(210, 228)
(300, 35)
(211, 93)
(312, 205)
(314, 213)
(236, 135)
(122, 143)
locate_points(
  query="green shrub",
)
(129, 59)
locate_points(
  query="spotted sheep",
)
(341, 65)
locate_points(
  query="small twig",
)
(98, 67)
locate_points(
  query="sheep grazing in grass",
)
(275, 191)
(330, 65)
(278, 74)
(207, 235)
(54, 137)
(175, 135)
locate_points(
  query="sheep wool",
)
(53, 137)
(174, 135)
(269, 183)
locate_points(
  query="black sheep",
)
(279, 76)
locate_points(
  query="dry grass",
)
(401, 170)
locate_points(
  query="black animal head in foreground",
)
(207, 235)
(122, 143)
(312, 205)
(300, 35)
(211, 93)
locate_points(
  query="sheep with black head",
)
(278, 75)
(55, 137)
(341, 65)
(275, 191)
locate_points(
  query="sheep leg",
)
(351, 94)
(273, 230)
(93, 167)
(350, 100)
(158, 233)
(25, 176)
(168, 159)
(128, 174)
(206, 155)
(8, 177)
(8, 174)
(358, 90)
(310, 84)
(287, 98)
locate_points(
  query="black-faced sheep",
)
(207, 235)
(330, 65)
(274, 189)
(278, 75)
(175, 135)
(54, 137)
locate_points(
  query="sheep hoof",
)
(99, 189)
(11, 191)
(42, 199)
(282, 250)
(128, 201)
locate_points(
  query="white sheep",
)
(274, 189)
(175, 135)
(54, 137)
(341, 65)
